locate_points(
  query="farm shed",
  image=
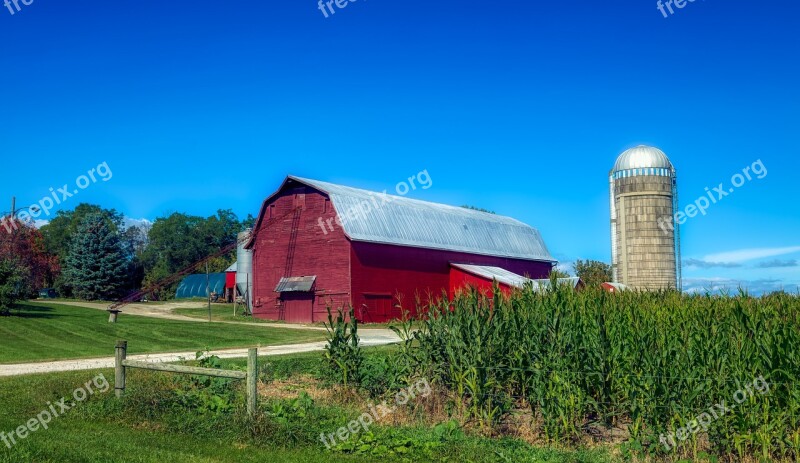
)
(195, 285)
(317, 244)
(483, 277)
(614, 287)
(230, 276)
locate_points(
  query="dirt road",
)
(369, 337)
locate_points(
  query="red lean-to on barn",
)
(316, 244)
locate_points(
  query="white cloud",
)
(706, 264)
(743, 255)
(565, 267)
(39, 223)
(129, 222)
(731, 286)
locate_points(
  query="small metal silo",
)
(244, 270)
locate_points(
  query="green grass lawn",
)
(83, 434)
(141, 429)
(39, 332)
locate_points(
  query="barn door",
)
(377, 308)
(298, 307)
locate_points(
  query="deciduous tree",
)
(593, 272)
(23, 247)
(179, 240)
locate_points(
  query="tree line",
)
(592, 272)
(90, 253)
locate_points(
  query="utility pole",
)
(208, 292)
(13, 206)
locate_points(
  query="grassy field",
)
(54, 332)
(556, 376)
(152, 425)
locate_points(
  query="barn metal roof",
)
(382, 218)
(295, 284)
(510, 278)
(573, 282)
(494, 273)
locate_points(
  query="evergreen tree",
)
(95, 267)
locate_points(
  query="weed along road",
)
(375, 337)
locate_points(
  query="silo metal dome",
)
(642, 157)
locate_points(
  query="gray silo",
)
(244, 269)
(645, 241)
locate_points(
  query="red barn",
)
(317, 244)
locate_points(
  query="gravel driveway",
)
(369, 337)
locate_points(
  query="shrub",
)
(206, 394)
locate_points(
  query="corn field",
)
(648, 362)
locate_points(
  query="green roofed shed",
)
(195, 285)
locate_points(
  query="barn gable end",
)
(289, 242)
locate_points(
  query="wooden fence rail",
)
(251, 375)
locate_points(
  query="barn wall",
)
(381, 272)
(326, 255)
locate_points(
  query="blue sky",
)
(520, 107)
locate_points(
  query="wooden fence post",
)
(121, 364)
(252, 381)
(120, 353)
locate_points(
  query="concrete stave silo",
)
(645, 254)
